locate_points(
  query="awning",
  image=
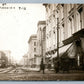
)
(62, 50)
(54, 55)
(72, 51)
(74, 37)
(48, 56)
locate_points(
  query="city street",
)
(20, 74)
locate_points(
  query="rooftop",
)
(32, 36)
(41, 22)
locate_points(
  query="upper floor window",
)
(54, 30)
(34, 49)
(62, 11)
(49, 33)
(47, 36)
(80, 17)
(34, 43)
(34, 55)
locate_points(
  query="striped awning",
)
(62, 50)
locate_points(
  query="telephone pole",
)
(42, 50)
(58, 43)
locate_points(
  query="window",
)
(54, 30)
(62, 32)
(34, 43)
(34, 55)
(70, 7)
(34, 49)
(49, 6)
(49, 33)
(47, 36)
(71, 25)
(62, 11)
(80, 17)
(46, 9)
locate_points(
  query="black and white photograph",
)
(41, 42)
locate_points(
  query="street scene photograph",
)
(41, 42)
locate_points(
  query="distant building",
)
(3, 60)
(25, 60)
(8, 54)
(21, 62)
(32, 50)
(41, 40)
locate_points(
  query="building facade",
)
(25, 60)
(8, 55)
(32, 50)
(68, 21)
(3, 60)
(41, 40)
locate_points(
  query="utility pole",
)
(58, 43)
(27, 60)
(42, 61)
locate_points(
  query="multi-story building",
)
(41, 40)
(8, 54)
(25, 60)
(3, 60)
(68, 21)
(32, 50)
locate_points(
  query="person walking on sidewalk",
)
(42, 66)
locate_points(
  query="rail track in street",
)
(19, 74)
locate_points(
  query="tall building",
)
(8, 55)
(41, 40)
(3, 60)
(32, 50)
(65, 23)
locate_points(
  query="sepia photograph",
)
(41, 42)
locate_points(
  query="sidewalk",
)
(30, 69)
(38, 70)
(51, 71)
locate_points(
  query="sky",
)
(17, 25)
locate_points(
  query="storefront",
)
(71, 55)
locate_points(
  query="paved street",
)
(20, 74)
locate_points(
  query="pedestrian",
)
(56, 66)
(42, 66)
